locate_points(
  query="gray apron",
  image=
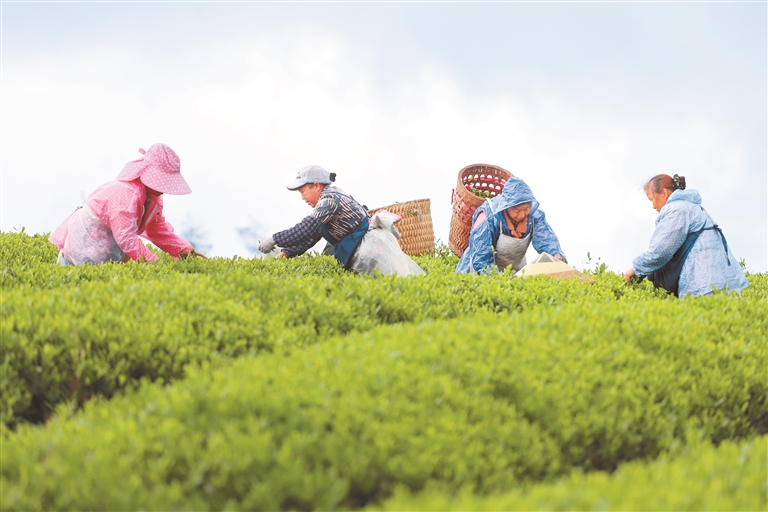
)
(511, 250)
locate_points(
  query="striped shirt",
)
(336, 210)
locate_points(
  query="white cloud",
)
(261, 108)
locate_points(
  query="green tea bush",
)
(278, 384)
(758, 286)
(485, 403)
(702, 477)
(25, 249)
(96, 338)
(72, 333)
(30, 261)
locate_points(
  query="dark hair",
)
(665, 181)
(333, 177)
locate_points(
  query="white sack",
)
(379, 250)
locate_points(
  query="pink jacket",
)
(120, 208)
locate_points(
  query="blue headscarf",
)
(515, 192)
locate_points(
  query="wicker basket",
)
(483, 177)
(415, 227)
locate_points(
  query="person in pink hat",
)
(107, 226)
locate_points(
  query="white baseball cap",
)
(310, 174)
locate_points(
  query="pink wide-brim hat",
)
(159, 169)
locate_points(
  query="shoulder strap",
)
(715, 227)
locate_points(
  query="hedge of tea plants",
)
(77, 332)
(256, 384)
(731, 476)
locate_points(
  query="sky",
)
(585, 101)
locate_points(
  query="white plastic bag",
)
(89, 240)
(379, 250)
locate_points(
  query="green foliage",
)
(292, 384)
(481, 193)
(22, 255)
(71, 333)
(600, 266)
(702, 477)
(30, 262)
(758, 287)
(488, 402)
(443, 261)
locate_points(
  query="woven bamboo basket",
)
(482, 177)
(416, 234)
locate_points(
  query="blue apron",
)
(668, 276)
(344, 249)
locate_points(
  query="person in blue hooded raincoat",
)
(502, 229)
(688, 253)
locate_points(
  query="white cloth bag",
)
(379, 250)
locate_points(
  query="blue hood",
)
(690, 195)
(515, 192)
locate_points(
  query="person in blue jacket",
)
(502, 229)
(688, 253)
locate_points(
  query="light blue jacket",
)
(707, 265)
(483, 237)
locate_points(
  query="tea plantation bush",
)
(255, 384)
(486, 402)
(729, 477)
(76, 332)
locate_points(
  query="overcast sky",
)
(584, 101)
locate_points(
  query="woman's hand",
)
(190, 252)
(629, 274)
(560, 257)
